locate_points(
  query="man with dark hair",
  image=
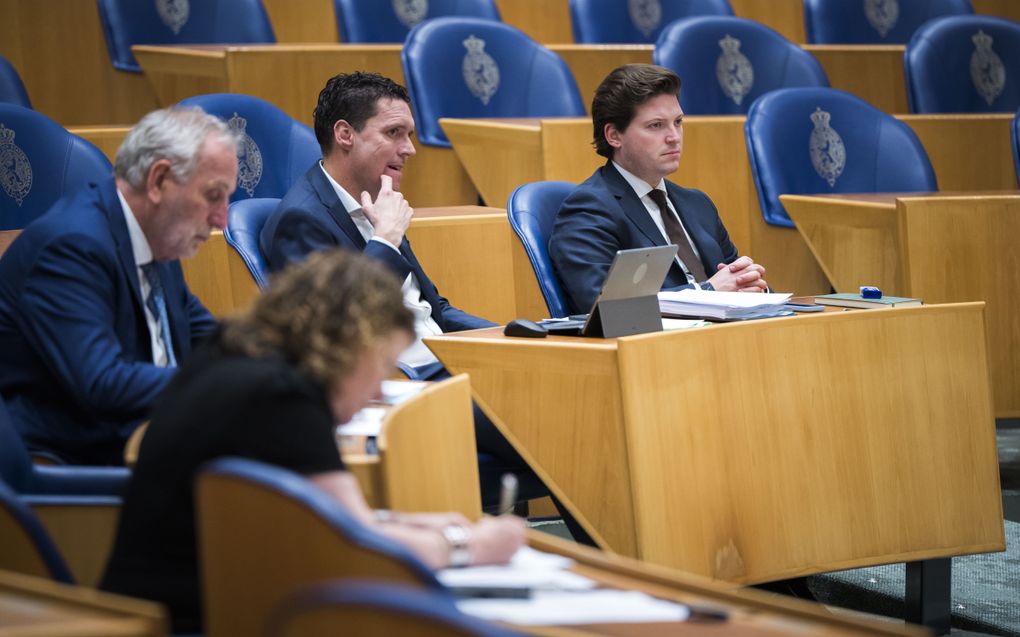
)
(627, 203)
(351, 199)
(94, 310)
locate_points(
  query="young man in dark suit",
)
(94, 310)
(627, 203)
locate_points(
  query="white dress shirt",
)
(641, 189)
(143, 255)
(424, 325)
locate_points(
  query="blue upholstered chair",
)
(42, 163)
(821, 140)
(727, 62)
(1015, 135)
(12, 90)
(634, 22)
(244, 226)
(881, 22)
(532, 210)
(466, 67)
(391, 20)
(964, 64)
(368, 607)
(265, 531)
(128, 22)
(26, 547)
(275, 149)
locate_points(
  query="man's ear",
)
(343, 134)
(159, 173)
(612, 135)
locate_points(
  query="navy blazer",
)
(75, 352)
(604, 214)
(310, 217)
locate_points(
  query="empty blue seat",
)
(42, 163)
(873, 21)
(634, 21)
(532, 210)
(822, 141)
(128, 22)
(726, 63)
(964, 64)
(466, 67)
(12, 90)
(275, 149)
(391, 20)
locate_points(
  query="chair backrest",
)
(634, 21)
(964, 64)
(128, 22)
(275, 149)
(466, 67)
(41, 163)
(367, 607)
(244, 226)
(391, 20)
(821, 140)
(26, 546)
(532, 210)
(12, 90)
(264, 531)
(873, 21)
(726, 63)
(1015, 134)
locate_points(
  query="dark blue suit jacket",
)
(312, 218)
(604, 215)
(75, 353)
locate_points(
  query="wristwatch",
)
(457, 537)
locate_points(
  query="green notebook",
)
(856, 300)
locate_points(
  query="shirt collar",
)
(349, 202)
(139, 244)
(638, 185)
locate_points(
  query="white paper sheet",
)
(578, 607)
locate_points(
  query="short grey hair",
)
(176, 134)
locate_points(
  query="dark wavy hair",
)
(619, 95)
(322, 314)
(352, 97)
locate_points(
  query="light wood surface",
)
(84, 536)
(60, 53)
(107, 138)
(872, 72)
(791, 451)
(545, 21)
(302, 20)
(32, 606)
(7, 237)
(427, 452)
(591, 63)
(218, 277)
(967, 152)
(291, 76)
(938, 248)
(785, 16)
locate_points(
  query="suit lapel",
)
(110, 205)
(328, 198)
(631, 205)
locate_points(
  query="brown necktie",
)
(676, 235)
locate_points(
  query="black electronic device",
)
(525, 328)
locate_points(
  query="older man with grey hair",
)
(94, 310)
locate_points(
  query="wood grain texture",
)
(545, 21)
(792, 451)
(785, 16)
(941, 248)
(302, 20)
(1003, 8)
(967, 152)
(33, 606)
(107, 138)
(873, 73)
(591, 63)
(60, 52)
(83, 534)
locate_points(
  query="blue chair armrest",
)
(78, 481)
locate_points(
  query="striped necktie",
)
(156, 302)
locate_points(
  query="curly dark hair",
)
(352, 97)
(322, 314)
(619, 95)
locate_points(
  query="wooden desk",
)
(107, 138)
(34, 606)
(873, 72)
(60, 53)
(968, 152)
(469, 252)
(802, 445)
(941, 248)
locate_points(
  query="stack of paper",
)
(720, 305)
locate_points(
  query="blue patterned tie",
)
(156, 302)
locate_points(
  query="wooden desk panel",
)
(107, 138)
(60, 53)
(791, 452)
(872, 72)
(941, 248)
(967, 152)
(302, 20)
